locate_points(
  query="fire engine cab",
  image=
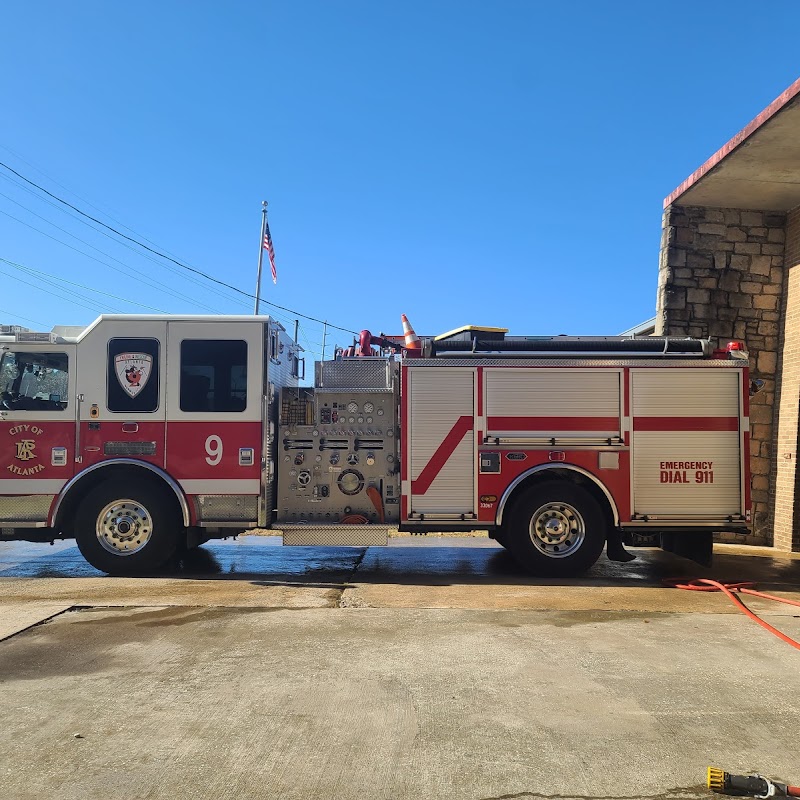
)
(141, 436)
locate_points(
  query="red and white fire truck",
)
(141, 436)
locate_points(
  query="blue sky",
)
(499, 163)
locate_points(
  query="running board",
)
(335, 535)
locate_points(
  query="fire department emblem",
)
(25, 449)
(133, 371)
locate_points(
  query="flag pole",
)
(261, 252)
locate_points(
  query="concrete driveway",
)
(429, 669)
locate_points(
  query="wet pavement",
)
(414, 572)
(432, 668)
(418, 559)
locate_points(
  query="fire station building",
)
(730, 269)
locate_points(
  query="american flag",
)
(270, 250)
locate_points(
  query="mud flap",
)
(697, 547)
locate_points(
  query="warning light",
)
(731, 350)
(488, 498)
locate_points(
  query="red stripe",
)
(746, 392)
(404, 422)
(686, 424)
(748, 500)
(553, 423)
(405, 388)
(441, 456)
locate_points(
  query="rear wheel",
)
(556, 529)
(127, 529)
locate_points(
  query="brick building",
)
(730, 269)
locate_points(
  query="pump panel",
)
(338, 452)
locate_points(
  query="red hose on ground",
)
(708, 585)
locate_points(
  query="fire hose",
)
(732, 592)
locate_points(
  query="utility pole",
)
(324, 337)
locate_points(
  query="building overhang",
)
(759, 168)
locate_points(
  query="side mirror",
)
(756, 385)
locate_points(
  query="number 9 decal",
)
(214, 450)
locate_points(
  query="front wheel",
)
(556, 529)
(124, 529)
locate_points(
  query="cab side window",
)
(33, 381)
(132, 380)
(213, 375)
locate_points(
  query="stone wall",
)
(721, 276)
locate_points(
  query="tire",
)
(124, 528)
(557, 529)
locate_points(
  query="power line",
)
(164, 255)
(91, 227)
(37, 273)
(74, 194)
(17, 316)
(153, 284)
(96, 309)
(311, 345)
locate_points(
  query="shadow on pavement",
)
(263, 560)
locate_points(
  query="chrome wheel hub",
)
(557, 530)
(124, 527)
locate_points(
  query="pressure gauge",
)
(369, 408)
(352, 408)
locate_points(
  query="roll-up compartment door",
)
(687, 442)
(560, 403)
(442, 441)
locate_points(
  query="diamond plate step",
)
(335, 535)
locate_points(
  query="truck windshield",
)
(32, 381)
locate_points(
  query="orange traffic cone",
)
(412, 340)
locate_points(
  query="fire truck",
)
(141, 436)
